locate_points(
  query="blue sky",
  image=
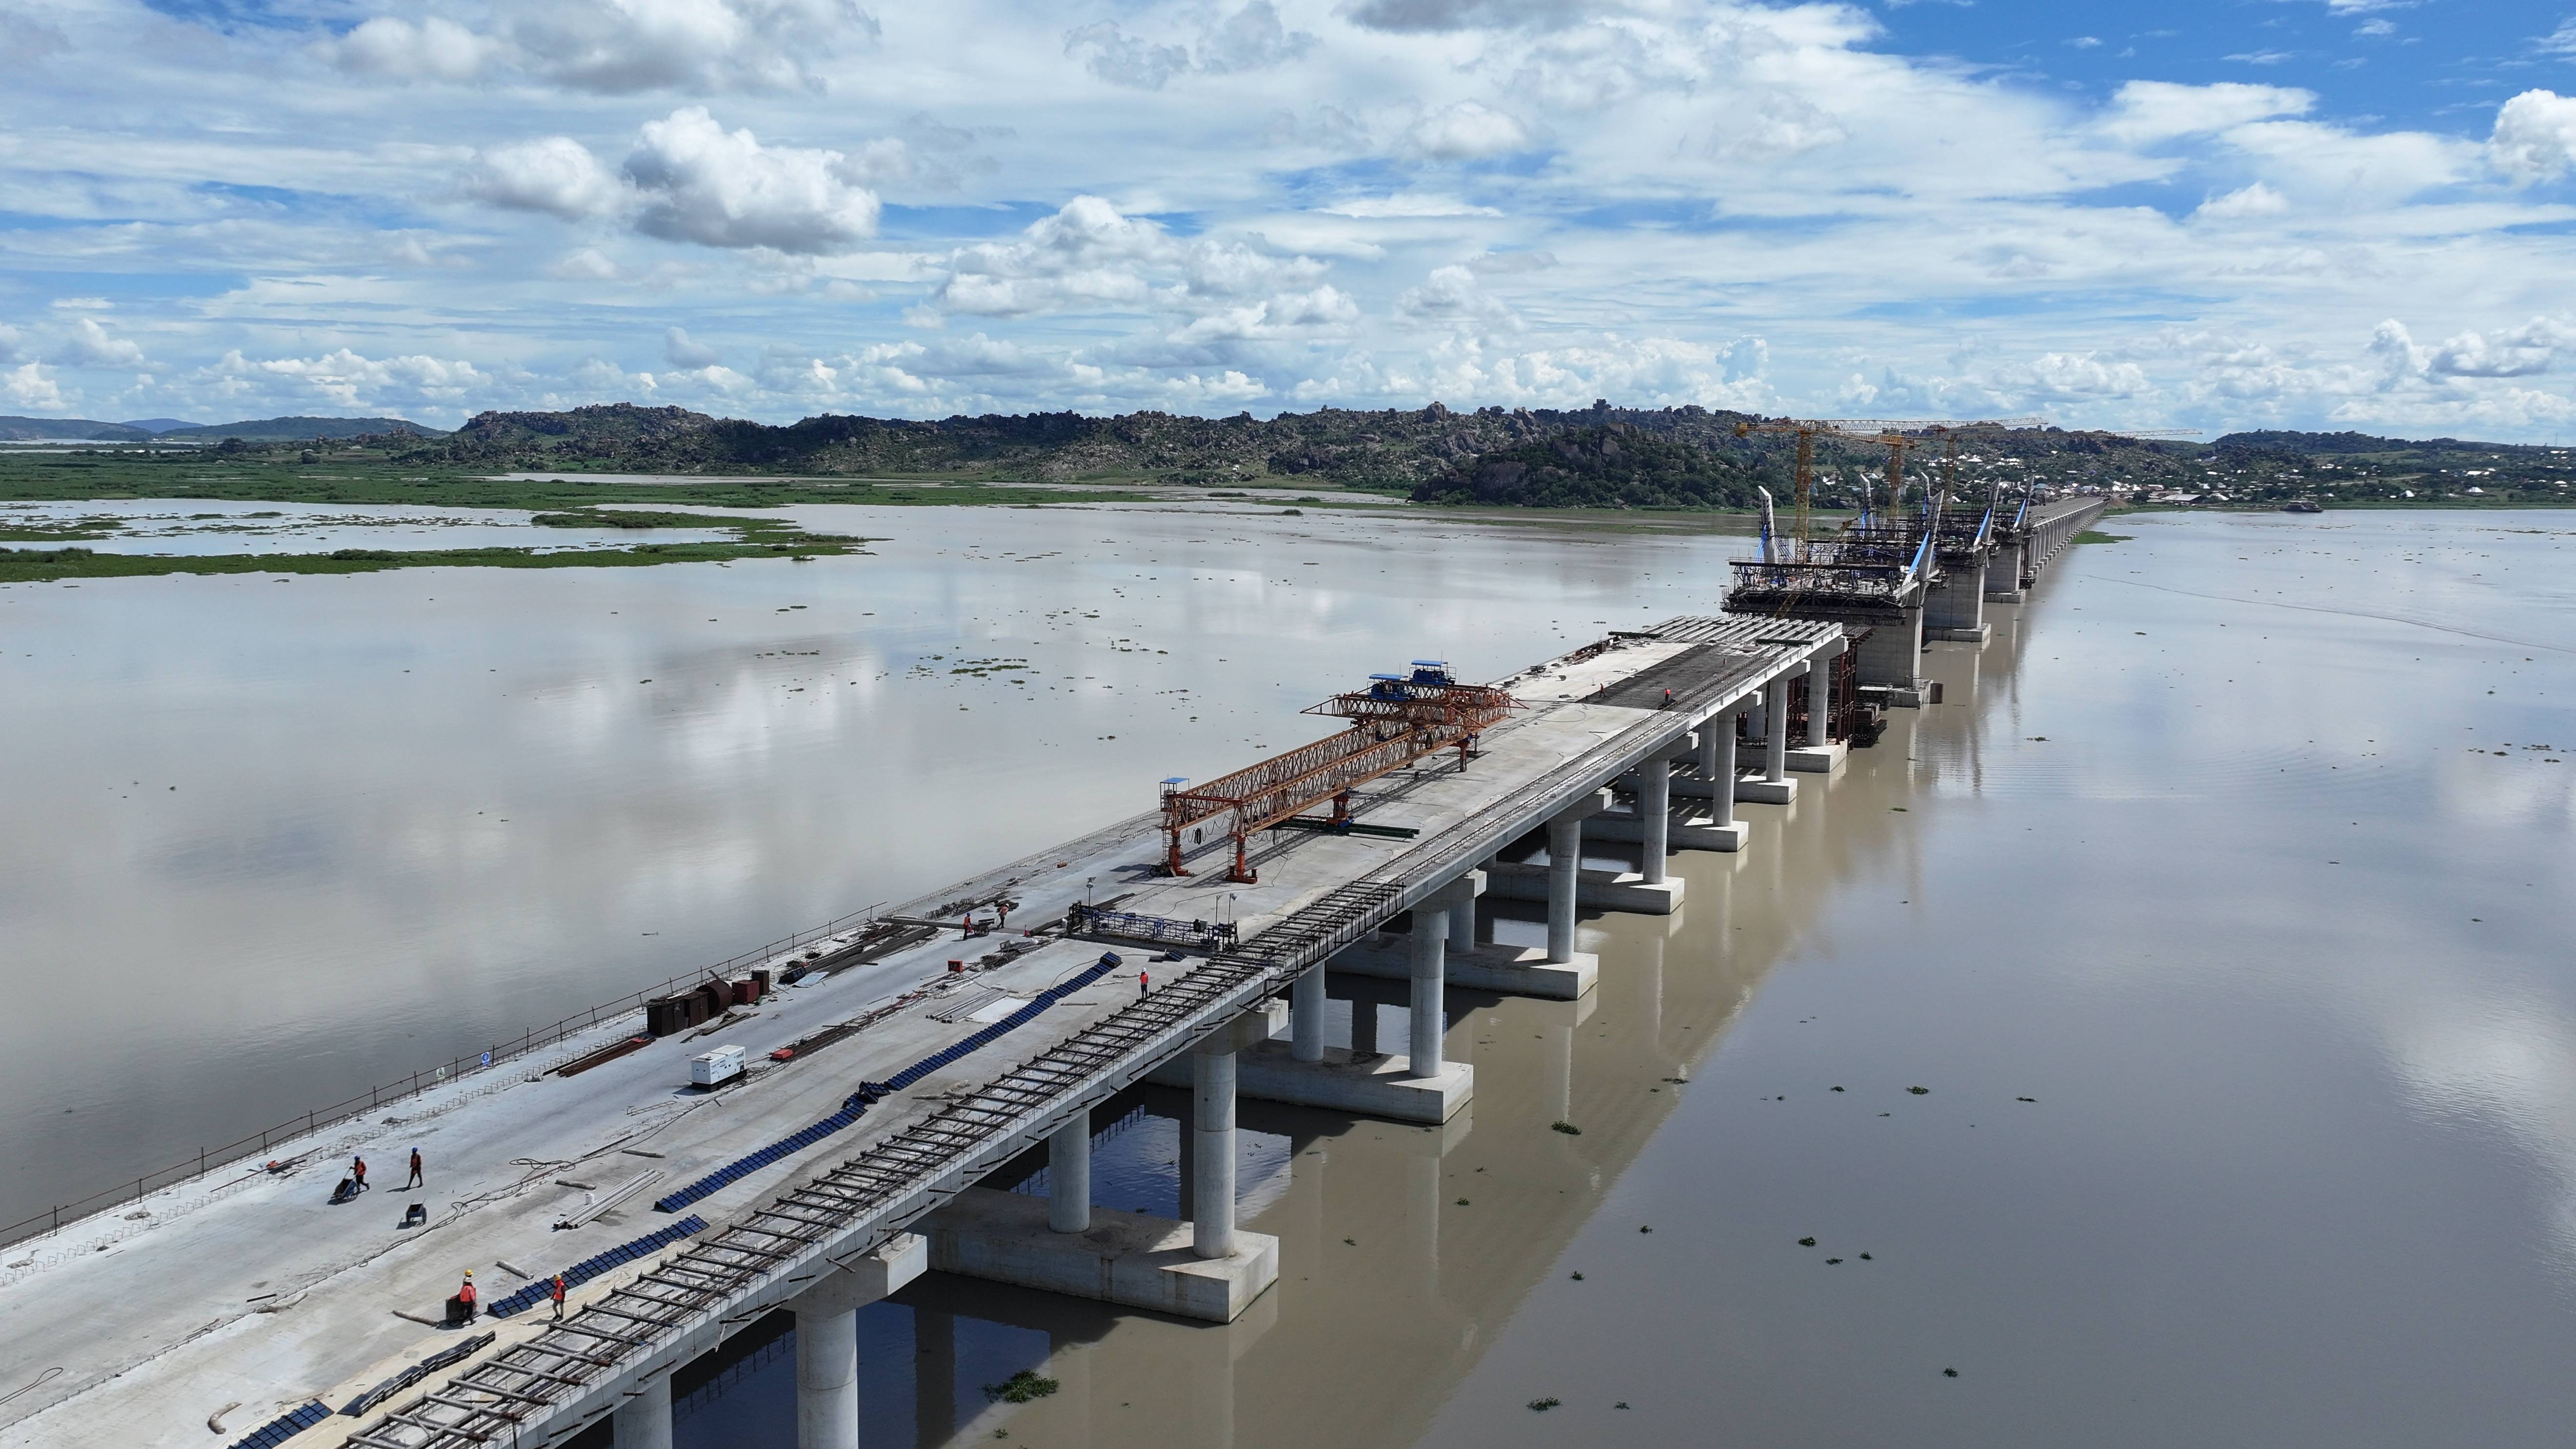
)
(2303, 213)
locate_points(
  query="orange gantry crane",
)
(1398, 719)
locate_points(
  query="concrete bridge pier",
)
(1430, 1009)
(643, 1420)
(1565, 884)
(1212, 1079)
(2004, 573)
(1955, 609)
(1565, 873)
(827, 1338)
(1205, 1268)
(1717, 771)
(1713, 778)
(1306, 1016)
(1891, 656)
(1821, 754)
(1775, 787)
(1069, 1176)
(1655, 815)
(1420, 1086)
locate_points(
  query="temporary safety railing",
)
(375, 1098)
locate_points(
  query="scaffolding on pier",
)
(1396, 720)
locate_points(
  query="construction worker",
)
(556, 1291)
(465, 1296)
(1144, 985)
(358, 1172)
(1668, 700)
(415, 1169)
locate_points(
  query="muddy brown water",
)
(2235, 852)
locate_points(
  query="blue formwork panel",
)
(284, 1427)
(591, 1267)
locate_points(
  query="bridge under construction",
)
(890, 1067)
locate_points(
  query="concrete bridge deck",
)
(244, 1294)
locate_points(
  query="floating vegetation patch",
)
(1020, 1388)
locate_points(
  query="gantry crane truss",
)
(1394, 722)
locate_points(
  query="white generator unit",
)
(715, 1068)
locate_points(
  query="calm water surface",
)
(2242, 852)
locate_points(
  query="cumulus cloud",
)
(1648, 371)
(2515, 352)
(434, 49)
(689, 179)
(701, 183)
(1281, 315)
(553, 174)
(2535, 136)
(2251, 201)
(2081, 375)
(27, 386)
(1090, 257)
(622, 46)
(2145, 112)
(9, 340)
(586, 265)
(1452, 294)
(616, 47)
(1467, 131)
(351, 382)
(682, 350)
(1252, 38)
(90, 345)
(2313, 161)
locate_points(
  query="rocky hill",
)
(299, 430)
(43, 430)
(1594, 457)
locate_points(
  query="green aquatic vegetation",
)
(373, 477)
(38, 565)
(1022, 1387)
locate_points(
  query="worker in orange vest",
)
(1144, 985)
(358, 1172)
(465, 1296)
(557, 1290)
